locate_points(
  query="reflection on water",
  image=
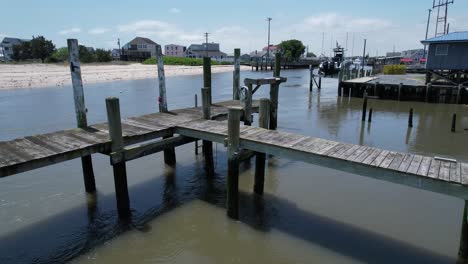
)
(309, 213)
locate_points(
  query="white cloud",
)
(98, 31)
(174, 10)
(341, 23)
(69, 31)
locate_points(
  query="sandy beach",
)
(14, 76)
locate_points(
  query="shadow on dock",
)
(76, 231)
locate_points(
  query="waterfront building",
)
(139, 49)
(6, 47)
(206, 49)
(174, 50)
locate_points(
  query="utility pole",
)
(268, 44)
(427, 30)
(364, 54)
(206, 43)
(323, 41)
(352, 49)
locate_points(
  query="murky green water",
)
(309, 214)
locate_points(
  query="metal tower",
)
(441, 21)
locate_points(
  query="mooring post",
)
(311, 74)
(207, 146)
(364, 107)
(460, 87)
(260, 157)
(80, 110)
(233, 162)
(236, 80)
(256, 66)
(120, 171)
(320, 83)
(277, 71)
(196, 141)
(340, 80)
(248, 105)
(376, 87)
(400, 86)
(169, 154)
(428, 90)
(410, 118)
(463, 249)
(370, 116)
(274, 93)
(207, 76)
(454, 122)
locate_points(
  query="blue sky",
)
(241, 23)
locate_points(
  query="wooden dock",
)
(135, 137)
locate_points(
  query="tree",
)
(87, 55)
(22, 51)
(311, 55)
(41, 48)
(292, 49)
(60, 54)
(103, 55)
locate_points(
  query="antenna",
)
(442, 12)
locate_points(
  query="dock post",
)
(274, 93)
(463, 249)
(207, 76)
(400, 86)
(236, 80)
(120, 171)
(248, 106)
(169, 154)
(364, 107)
(340, 80)
(376, 88)
(261, 157)
(410, 118)
(207, 146)
(80, 110)
(196, 141)
(460, 87)
(232, 183)
(320, 83)
(256, 66)
(428, 90)
(369, 119)
(277, 71)
(454, 122)
(311, 74)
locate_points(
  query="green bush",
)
(103, 55)
(183, 61)
(394, 69)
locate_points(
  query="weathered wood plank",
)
(414, 165)
(424, 167)
(396, 161)
(356, 153)
(363, 155)
(349, 152)
(464, 173)
(407, 159)
(444, 171)
(388, 160)
(340, 152)
(455, 172)
(374, 154)
(434, 169)
(380, 158)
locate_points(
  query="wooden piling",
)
(320, 83)
(274, 93)
(428, 90)
(277, 71)
(80, 110)
(207, 76)
(248, 106)
(120, 171)
(232, 184)
(207, 146)
(460, 87)
(256, 67)
(364, 107)
(340, 80)
(463, 249)
(260, 158)
(369, 119)
(410, 118)
(196, 141)
(400, 87)
(311, 75)
(454, 122)
(169, 154)
(236, 79)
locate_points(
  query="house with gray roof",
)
(139, 49)
(6, 47)
(205, 50)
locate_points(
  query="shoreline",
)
(33, 76)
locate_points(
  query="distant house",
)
(273, 49)
(413, 56)
(447, 57)
(174, 50)
(115, 53)
(139, 49)
(206, 49)
(7, 45)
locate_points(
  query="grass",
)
(394, 69)
(183, 61)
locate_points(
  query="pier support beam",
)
(261, 157)
(207, 76)
(364, 107)
(207, 146)
(248, 105)
(311, 75)
(232, 184)
(80, 110)
(236, 79)
(274, 93)
(120, 171)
